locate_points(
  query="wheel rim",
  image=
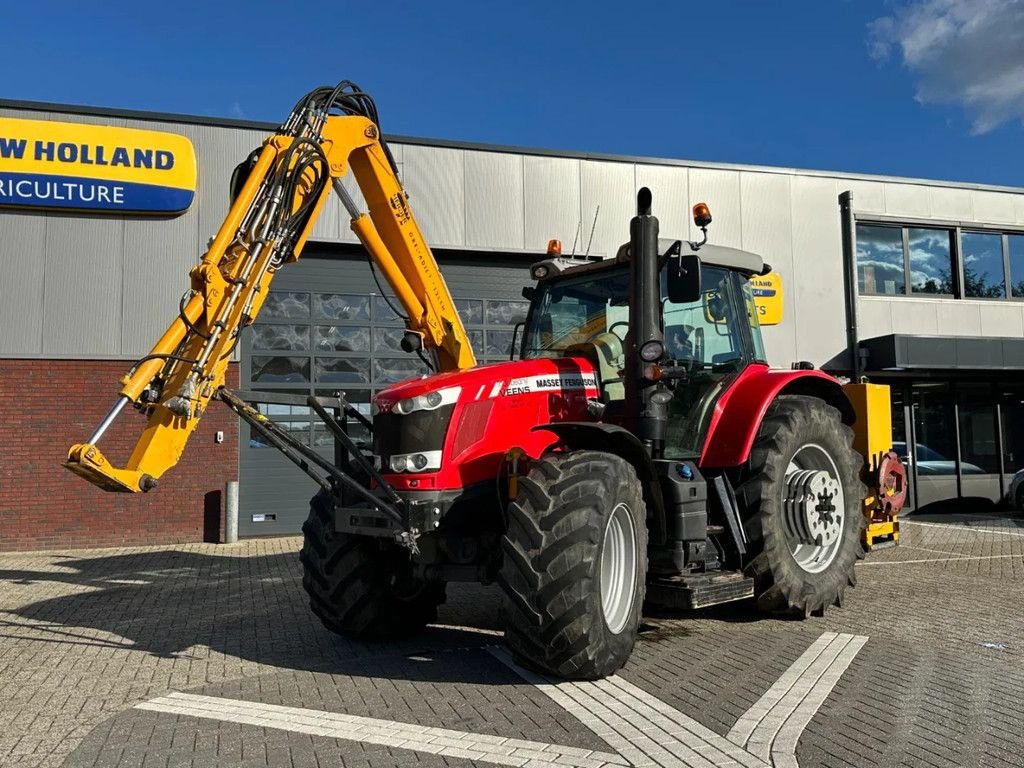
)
(618, 568)
(814, 507)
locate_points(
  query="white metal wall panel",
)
(721, 191)
(1003, 320)
(994, 207)
(494, 200)
(436, 182)
(818, 288)
(218, 151)
(155, 276)
(767, 229)
(1018, 207)
(609, 191)
(868, 196)
(951, 204)
(960, 318)
(84, 262)
(21, 290)
(917, 316)
(551, 188)
(907, 200)
(874, 317)
(670, 186)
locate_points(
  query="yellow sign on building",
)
(46, 164)
(768, 298)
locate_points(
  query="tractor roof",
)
(718, 255)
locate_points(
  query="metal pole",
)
(231, 512)
(847, 226)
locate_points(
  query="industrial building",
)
(924, 280)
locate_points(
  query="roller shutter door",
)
(325, 327)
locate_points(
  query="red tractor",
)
(640, 448)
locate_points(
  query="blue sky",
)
(928, 88)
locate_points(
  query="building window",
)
(895, 260)
(984, 271)
(1015, 257)
(935, 426)
(930, 261)
(880, 263)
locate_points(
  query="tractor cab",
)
(708, 322)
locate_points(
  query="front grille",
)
(395, 434)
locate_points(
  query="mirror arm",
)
(695, 245)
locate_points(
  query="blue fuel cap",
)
(684, 471)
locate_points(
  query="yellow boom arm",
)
(269, 222)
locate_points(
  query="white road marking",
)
(954, 526)
(637, 725)
(642, 729)
(771, 728)
(389, 733)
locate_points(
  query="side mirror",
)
(684, 279)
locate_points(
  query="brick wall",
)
(48, 405)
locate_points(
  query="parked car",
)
(931, 462)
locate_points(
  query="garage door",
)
(326, 327)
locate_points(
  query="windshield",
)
(572, 311)
(705, 332)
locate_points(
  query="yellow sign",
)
(768, 298)
(94, 167)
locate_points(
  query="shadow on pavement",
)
(170, 604)
(174, 604)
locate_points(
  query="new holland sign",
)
(768, 298)
(94, 168)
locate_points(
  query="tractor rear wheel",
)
(574, 564)
(803, 501)
(360, 586)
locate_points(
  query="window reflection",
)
(935, 425)
(506, 312)
(334, 338)
(341, 306)
(285, 305)
(930, 261)
(979, 444)
(1016, 243)
(343, 370)
(983, 265)
(286, 337)
(880, 259)
(280, 369)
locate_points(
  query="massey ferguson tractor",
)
(640, 448)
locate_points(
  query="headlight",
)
(416, 462)
(651, 351)
(428, 402)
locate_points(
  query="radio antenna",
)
(579, 224)
(592, 228)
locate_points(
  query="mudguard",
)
(741, 408)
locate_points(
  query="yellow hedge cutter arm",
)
(283, 188)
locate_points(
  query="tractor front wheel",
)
(360, 586)
(803, 500)
(574, 564)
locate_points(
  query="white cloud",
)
(963, 52)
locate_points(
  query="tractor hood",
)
(453, 430)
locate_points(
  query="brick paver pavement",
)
(85, 636)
